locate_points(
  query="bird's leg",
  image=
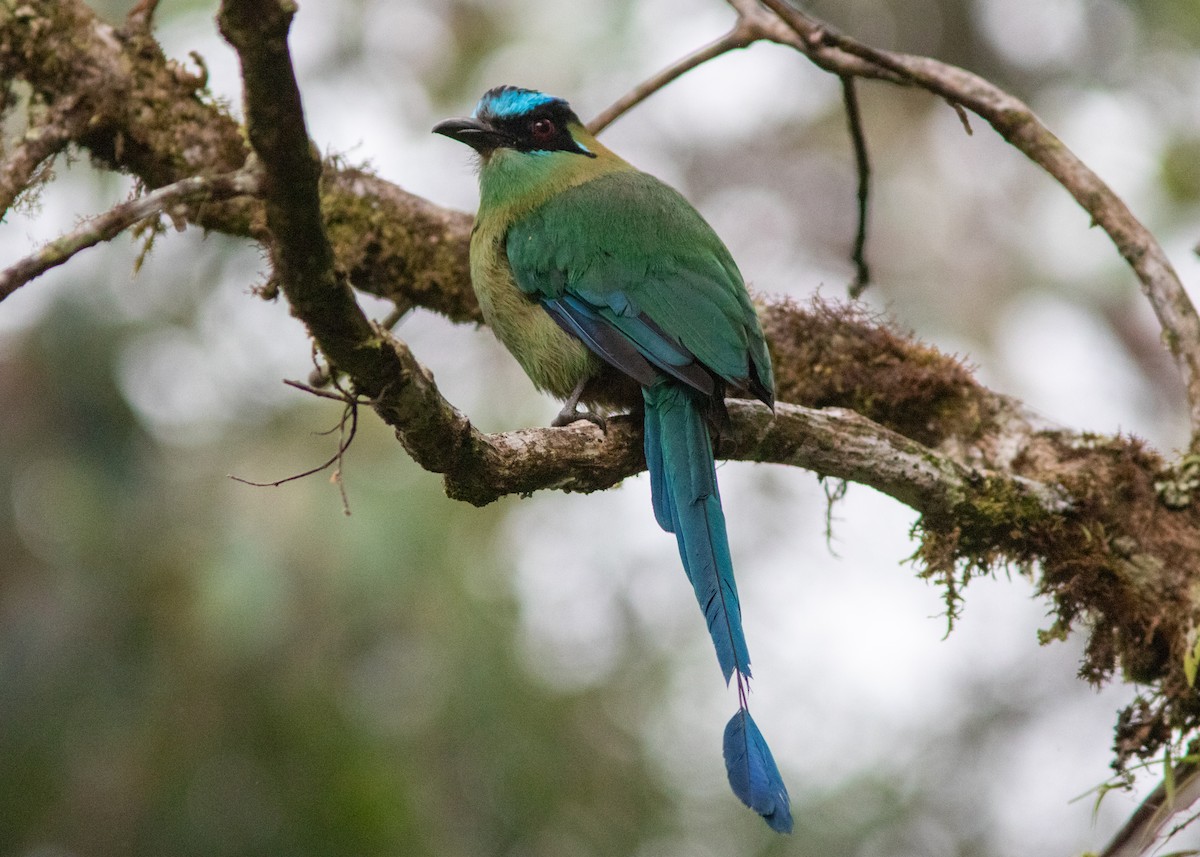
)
(570, 412)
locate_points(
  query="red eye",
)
(542, 130)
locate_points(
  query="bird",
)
(612, 292)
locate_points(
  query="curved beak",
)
(478, 135)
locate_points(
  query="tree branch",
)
(43, 140)
(119, 218)
(380, 366)
(1141, 832)
(743, 34)
(1017, 124)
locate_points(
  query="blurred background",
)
(193, 666)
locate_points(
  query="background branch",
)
(1018, 125)
(862, 276)
(116, 220)
(744, 33)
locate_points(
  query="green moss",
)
(1115, 565)
(839, 355)
(1176, 486)
(397, 246)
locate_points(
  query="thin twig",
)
(743, 34)
(753, 24)
(343, 445)
(324, 394)
(119, 218)
(400, 310)
(862, 276)
(350, 414)
(833, 496)
(963, 117)
(141, 16)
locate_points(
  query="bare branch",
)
(1017, 124)
(345, 438)
(858, 255)
(753, 24)
(743, 34)
(119, 218)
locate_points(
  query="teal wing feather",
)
(644, 261)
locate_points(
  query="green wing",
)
(624, 253)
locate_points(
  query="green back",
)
(629, 244)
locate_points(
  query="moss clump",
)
(1118, 564)
(838, 355)
(398, 246)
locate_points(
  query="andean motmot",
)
(612, 291)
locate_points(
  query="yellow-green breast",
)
(511, 186)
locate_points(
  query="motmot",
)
(613, 293)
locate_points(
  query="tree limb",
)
(45, 138)
(301, 255)
(1016, 123)
(380, 366)
(116, 220)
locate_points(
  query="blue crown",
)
(503, 102)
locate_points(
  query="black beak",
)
(479, 136)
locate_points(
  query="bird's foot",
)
(571, 414)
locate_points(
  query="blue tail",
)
(683, 485)
(752, 772)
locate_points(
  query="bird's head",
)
(509, 118)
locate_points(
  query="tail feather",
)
(661, 498)
(753, 775)
(683, 484)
